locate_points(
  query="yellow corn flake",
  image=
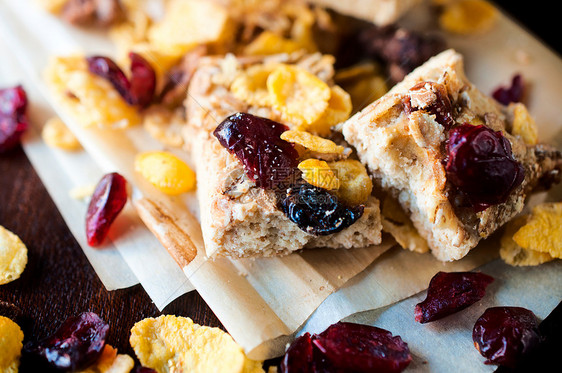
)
(300, 96)
(250, 86)
(111, 362)
(355, 184)
(57, 135)
(188, 23)
(13, 256)
(316, 145)
(515, 255)
(53, 6)
(543, 230)
(338, 110)
(367, 90)
(398, 224)
(468, 17)
(166, 172)
(176, 344)
(91, 99)
(319, 173)
(268, 43)
(11, 338)
(524, 125)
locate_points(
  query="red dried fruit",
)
(255, 141)
(299, 356)
(450, 292)
(76, 344)
(481, 166)
(504, 335)
(318, 212)
(139, 89)
(109, 198)
(13, 117)
(513, 93)
(363, 348)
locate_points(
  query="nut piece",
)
(13, 256)
(166, 172)
(176, 344)
(11, 338)
(57, 135)
(319, 174)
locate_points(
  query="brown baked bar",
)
(406, 140)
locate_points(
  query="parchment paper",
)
(264, 302)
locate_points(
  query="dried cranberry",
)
(316, 211)
(139, 89)
(255, 141)
(451, 292)
(514, 93)
(108, 200)
(13, 117)
(76, 344)
(362, 348)
(503, 335)
(299, 356)
(481, 166)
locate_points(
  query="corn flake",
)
(166, 172)
(468, 17)
(92, 100)
(13, 256)
(355, 184)
(319, 173)
(338, 110)
(111, 362)
(11, 338)
(57, 135)
(515, 255)
(250, 86)
(268, 43)
(543, 230)
(524, 125)
(300, 96)
(398, 224)
(53, 6)
(316, 146)
(176, 344)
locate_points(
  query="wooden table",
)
(59, 282)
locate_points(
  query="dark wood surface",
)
(59, 282)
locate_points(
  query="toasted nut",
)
(166, 172)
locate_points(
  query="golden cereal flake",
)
(57, 135)
(250, 86)
(338, 110)
(398, 224)
(523, 124)
(268, 43)
(111, 362)
(166, 172)
(515, 255)
(543, 230)
(13, 256)
(11, 338)
(355, 184)
(52, 6)
(188, 23)
(468, 17)
(300, 96)
(319, 173)
(314, 144)
(176, 344)
(91, 99)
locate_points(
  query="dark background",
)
(59, 282)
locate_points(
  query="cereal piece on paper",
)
(515, 255)
(524, 125)
(338, 110)
(300, 96)
(315, 146)
(173, 343)
(111, 362)
(468, 17)
(543, 230)
(166, 172)
(13, 256)
(57, 135)
(398, 224)
(319, 174)
(11, 343)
